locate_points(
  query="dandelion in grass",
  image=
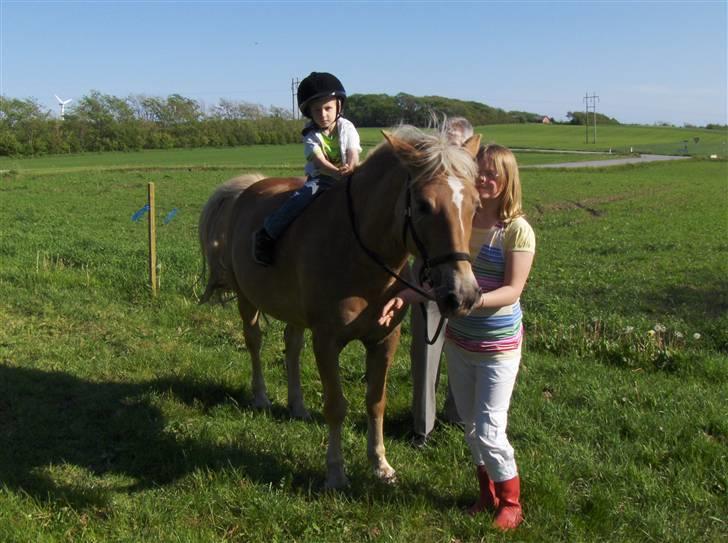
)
(696, 336)
(679, 335)
(659, 328)
(650, 333)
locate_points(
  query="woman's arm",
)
(405, 297)
(517, 268)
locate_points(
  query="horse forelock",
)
(437, 158)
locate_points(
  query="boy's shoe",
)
(263, 246)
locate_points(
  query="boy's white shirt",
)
(348, 139)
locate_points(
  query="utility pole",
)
(294, 90)
(590, 102)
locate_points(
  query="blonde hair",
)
(435, 154)
(504, 163)
(457, 124)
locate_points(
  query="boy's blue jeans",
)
(278, 221)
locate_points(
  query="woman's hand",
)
(390, 310)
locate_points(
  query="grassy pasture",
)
(284, 159)
(126, 419)
(287, 158)
(618, 138)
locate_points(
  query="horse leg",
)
(327, 352)
(379, 358)
(294, 344)
(253, 341)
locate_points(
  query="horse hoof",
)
(262, 404)
(384, 472)
(300, 413)
(336, 481)
(388, 478)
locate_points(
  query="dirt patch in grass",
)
(588, 204)
(592, 205)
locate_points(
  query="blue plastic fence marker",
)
(170, 215)
(139, 214)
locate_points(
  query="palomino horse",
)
(414, 194)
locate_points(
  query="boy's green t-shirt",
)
(331, 147)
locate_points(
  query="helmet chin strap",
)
(339, 108)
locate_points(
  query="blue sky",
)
(647, 61)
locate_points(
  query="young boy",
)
(331, 146)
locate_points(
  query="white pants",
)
(482, 385)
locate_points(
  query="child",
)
(483, 349)
(457, 130)
(425, 358)
(331, 145)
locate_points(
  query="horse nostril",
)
(451, 302)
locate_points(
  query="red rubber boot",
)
(486, 498)
(509, 514)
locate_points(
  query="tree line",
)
(580, 117)
(102, 122)
(383, 110)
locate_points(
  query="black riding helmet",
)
(317, 85)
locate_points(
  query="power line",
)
(294, 89)
(590, 102)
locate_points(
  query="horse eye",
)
(424, 207)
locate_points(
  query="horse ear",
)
(402, 149)
(472, 144)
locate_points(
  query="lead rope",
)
(434, 339)
(375, 257)
(371, 254)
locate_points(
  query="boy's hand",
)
(389, 310)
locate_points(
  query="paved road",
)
(611, 162)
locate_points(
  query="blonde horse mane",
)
(436, 153)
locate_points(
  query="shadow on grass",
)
(705, 296)
(53, 422)
(49, 420)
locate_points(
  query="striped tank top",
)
(493, 330)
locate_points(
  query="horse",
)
(341, 261)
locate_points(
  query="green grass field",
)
(124, 418)
(287, 158)
(619, 138)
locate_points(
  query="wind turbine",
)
(62, 103)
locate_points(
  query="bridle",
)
(409, 226)
(427, 262)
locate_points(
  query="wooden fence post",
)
(152, 240)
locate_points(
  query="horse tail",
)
(215, 220)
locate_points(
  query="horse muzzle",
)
(456, 290)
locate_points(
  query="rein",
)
(427, 263)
